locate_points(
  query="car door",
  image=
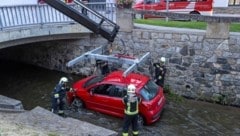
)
(99, 99)
(107, 98)
(116, 94)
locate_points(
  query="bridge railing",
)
(27, 15)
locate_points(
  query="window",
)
(117, 91)
(110, 90)
(234, 2)
(149, 91)
(94, 80)
(101, 89)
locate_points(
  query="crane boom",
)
(95, 25)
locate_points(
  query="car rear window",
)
(94, 80)
(149, 91)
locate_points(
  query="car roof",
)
(136, 79)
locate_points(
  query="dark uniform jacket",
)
(61, 90)
(131, 104)
(160, 71)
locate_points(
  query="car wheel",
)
(140, 121)
(77, 104)
(194, 13)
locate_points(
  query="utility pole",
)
(167, 9)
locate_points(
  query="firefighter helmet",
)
(163, 59)
(63, 80)
(131, 88)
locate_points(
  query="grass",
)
(234, 27)
(171, 95)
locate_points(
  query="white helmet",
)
(63, 80)
(163, 59)
(131, 88)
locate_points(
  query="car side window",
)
(102, 89)
(111, 90)
(117, 91)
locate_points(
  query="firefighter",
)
(160, 71)
(131, 102)
(58, 96)
(103, 66)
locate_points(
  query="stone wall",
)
(54, 55)
(198, 67)
(228, 10)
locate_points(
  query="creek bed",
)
(33, 85)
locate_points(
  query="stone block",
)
(7, 103)
(217, 30)
(125, 20)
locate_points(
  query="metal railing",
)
(28, 15)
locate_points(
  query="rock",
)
(10, 104)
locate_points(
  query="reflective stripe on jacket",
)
(131, 104)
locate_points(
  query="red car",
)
(104, 94)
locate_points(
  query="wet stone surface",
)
(33, 86)
(7, 103)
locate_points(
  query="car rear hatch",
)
(153, 100)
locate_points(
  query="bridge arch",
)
(42, 33)
(23, 24)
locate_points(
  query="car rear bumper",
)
(156, 115)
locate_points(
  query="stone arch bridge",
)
(202, 64)
(35, 23)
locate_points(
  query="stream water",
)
(33, 85)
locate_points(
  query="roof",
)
(136, 79)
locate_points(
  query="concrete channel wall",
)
(40, 121)
(198, 67)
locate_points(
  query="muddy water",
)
(33, 85)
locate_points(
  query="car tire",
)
(140, 121)
(77, 104)
(194, 13)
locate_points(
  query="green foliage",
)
(171, 95)
(222, 99)
(53, 134)
(166, 89)
(124, 3)
(234, 27)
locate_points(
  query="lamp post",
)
(167, 9)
